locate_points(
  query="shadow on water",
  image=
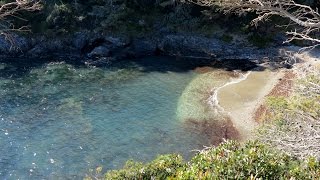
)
(17, 67)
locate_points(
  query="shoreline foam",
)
(242, 99)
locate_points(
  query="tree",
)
(305, 18)
(10, 10)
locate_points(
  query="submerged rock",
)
(215, 131)
(71, 107)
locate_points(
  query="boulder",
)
(80, 40)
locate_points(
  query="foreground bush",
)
(230, 160)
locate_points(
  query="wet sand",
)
(241, 100)
(216, 97)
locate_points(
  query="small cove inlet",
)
(60, 119)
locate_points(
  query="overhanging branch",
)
(302, 15)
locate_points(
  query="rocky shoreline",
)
(97, 48)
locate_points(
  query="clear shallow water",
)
(194, 103)
(59, 120)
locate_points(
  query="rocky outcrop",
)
(197, 46)
(98, 47)
(13, 45)
(202, 47)
(100, 51)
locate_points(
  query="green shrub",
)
(60, 17)
(230, 160)
(277, 103)
(160, 168)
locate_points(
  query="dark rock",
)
(98, 11)
(116, 47)
(38, 50)
(16, 45)
(5, 45)
(118, 41)
(202, 47)
(80, 40)
(21, 44)
(97, 46)
(137, 48)
(101, 61)
(186, 45)
(100, 51)
(143, 47)
(279, 39)
(56, 45)
(94, 40)
(50, 46)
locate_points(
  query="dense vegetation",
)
(142, 17)
(227, 161)
(107, 15)
(133, 18)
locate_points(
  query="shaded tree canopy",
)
(304, 19)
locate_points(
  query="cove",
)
(60, 119)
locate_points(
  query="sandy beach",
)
(241, 100)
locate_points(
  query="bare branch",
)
(12, 10)
(302, 15)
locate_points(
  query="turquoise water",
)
(58, 120)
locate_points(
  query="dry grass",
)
(282, 89)
(292, 124)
